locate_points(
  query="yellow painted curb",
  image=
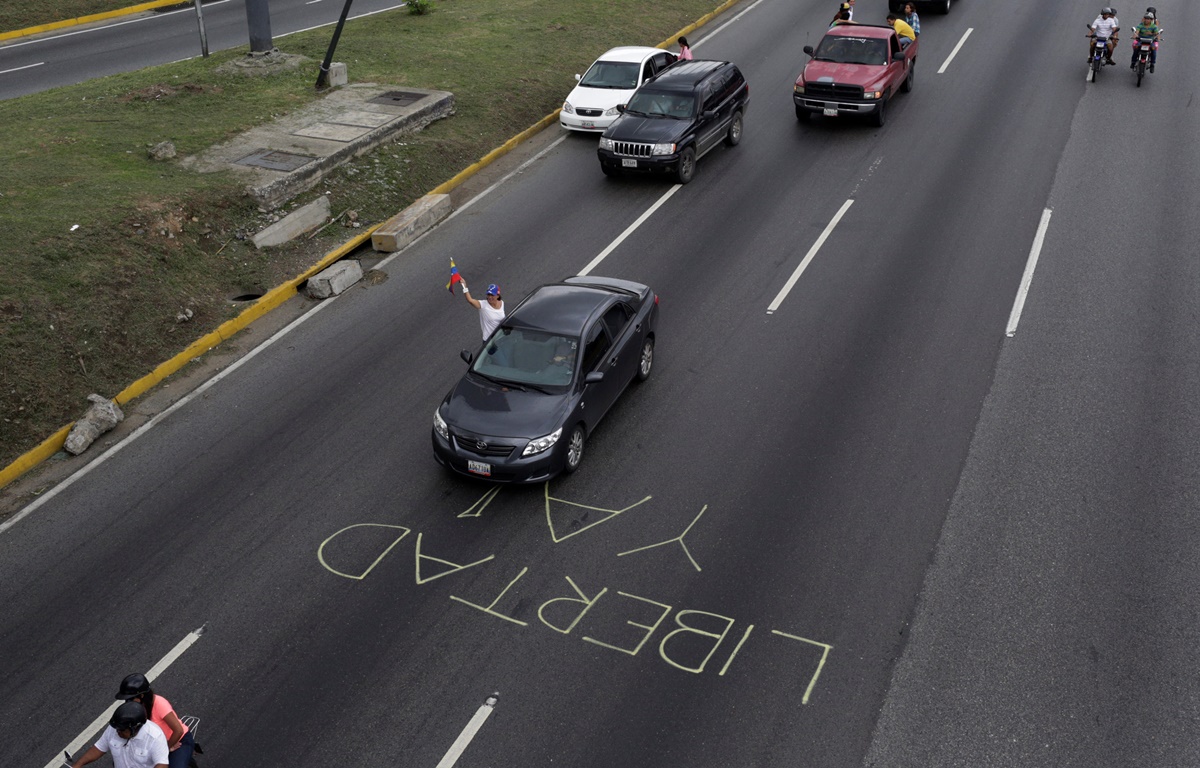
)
(89, 19)
(278, 295)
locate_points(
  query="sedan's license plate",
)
(479, 468)
(829, 111)
(588, 124)
(627, 163)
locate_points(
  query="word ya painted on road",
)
(618, 621)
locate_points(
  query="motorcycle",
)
(193, 725)
(1145, 54)
(1099, 55)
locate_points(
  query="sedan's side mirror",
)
(594, 377)
(807, 49)
(578, 77)
(467, 357)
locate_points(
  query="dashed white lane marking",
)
(954, 53)
(154, 672)
(812, 252)
(1026, 279)
(138, 20)
(18, 69)
(630, 230)
(464, 739)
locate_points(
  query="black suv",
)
(675, 118)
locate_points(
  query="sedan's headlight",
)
(542, 443)
(613, 112)
(606, 144)
(568, 108)
(663, 149)
(439, 425)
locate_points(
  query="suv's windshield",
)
(662, 104)
(852, 50)
(525, 357)
(612, 74)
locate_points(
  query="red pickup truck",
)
(855, 70)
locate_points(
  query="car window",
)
(620, 75)
(662, 61)
(711, 95)
(852, 50)
(895, 47)
(596, 348)
(525, 356)
(615, 319)
(662, 104)
(648, 70)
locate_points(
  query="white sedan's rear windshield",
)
(523, 356)
(852, 50)
(622, 75)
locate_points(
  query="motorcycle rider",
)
(133, 742)
(1106, 28)
(1147, 28)
(180, 742)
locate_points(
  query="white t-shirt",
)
(146, 749)
(1105, 27)
(489, 319)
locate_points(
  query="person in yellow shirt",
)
(903, 30)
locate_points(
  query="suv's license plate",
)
(479, 468)
(829, 112)
(627, 163)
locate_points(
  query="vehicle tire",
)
(734, 137)
(1141, 72)
(575, 443)
(687, 166)
(907, 85)
(944, 8)
(802, 114)
(610, 170)
(880, 116)
(646, 362)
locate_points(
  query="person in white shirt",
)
(132, 742)
(491, 313)
(1106, 28)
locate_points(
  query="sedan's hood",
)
(483, 408)
(848, 74)
(650, 130)
(584, 97)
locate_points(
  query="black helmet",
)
(133, 685)
(129, 715)
(1152, 12)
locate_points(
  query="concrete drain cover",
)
(275, 161)
(398, 98)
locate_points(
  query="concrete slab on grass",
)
(406, 226)
(303, 219)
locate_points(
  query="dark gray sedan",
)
(545, 378)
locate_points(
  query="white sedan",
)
(608, 83)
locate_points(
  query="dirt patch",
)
(162, 91)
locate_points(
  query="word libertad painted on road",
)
(690, 646)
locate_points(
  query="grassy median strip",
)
(103, 251)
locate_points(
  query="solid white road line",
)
(18, 69)
(1026, 279)
(464, 739)
(629, 230)
(954, 53)
(154, 672)
(719, 29)
(809, 257)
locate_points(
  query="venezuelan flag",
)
(454, 277)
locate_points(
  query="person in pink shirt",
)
(685, 50)
(180, 742)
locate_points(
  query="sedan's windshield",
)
(662, 104)
(528, 358)
(852, 50)
(622, 75)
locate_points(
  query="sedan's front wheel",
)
(575, 449)
(646, 364)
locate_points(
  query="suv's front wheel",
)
(735, 130)
(686, 168)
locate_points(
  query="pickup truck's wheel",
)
(907, 85)
(944, 7)
(880, 116)
(574, 449)
(687, 166)
(735, 130)
(610, 170)
(802, 114)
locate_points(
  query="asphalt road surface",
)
(130, 43)
(890, 533)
